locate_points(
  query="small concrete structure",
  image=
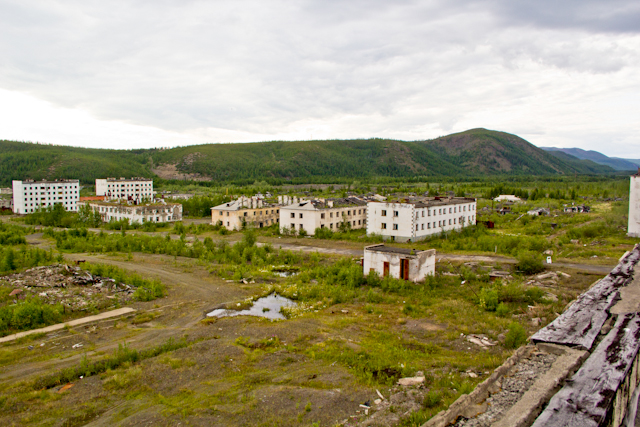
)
(400, 263)
(507, 198)
(633, 229)
(539, 212)
(577, 209)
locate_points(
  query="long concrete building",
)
(140, 213)
(29, 196)
(135, 189)
(633, 229)
(308, 215)
(415, 220)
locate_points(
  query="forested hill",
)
(477, 152)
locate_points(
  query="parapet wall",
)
(594, 379)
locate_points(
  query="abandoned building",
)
(539, 212)
(253, 211)
(415, 220)
(633, 229)
(507, 198)
(134, 189)
(333, 214)
(29, 195)
(136, 213)
(577, 209)
(400, 263)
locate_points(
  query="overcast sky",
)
(124, 74)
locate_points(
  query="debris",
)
(411, 381)
(76, 345)
(30, 347)
(380, 394)
(15, 292)
(550, 275)
(480, 340)
(377, 401)
(65, 387)
(535, 321)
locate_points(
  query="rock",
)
(410, 381)
(535, 321)
(575, 241)
(377, 401)
(548, 252)
(565, 275)
(550, 297)
(15, 292)
(551, 275)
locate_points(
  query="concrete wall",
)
(420, 265)
(170, 212)
(137, 189)
(634, 207)
(257, 217)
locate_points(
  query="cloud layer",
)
(152, 73)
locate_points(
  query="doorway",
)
(404, 269)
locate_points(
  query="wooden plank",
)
(587, 397)
(581, 323)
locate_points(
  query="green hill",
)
(477, 152)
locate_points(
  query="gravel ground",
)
(513, 386)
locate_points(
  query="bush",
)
(516, 336)
(502, 310)
(489, 299)
(529, 263)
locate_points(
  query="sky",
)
(161, 73)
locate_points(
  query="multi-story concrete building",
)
(634, 206)
(308, 215)
(135, 189)
(245, 211)
(136, 213)
(400, 263)
(415, 220)
(29, 196)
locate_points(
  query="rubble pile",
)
(75, 288)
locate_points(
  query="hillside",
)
(596, 157)
(476, 152)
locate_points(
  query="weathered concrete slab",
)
(587, 398)
(525, 411)
(629, 295)
(82, 321)
(581, 323)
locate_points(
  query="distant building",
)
(134, 189)
(634, 206)
(29, 196)
(539, 212)
(251, 211)
(507, 198)
(140, 213)
(308, 215)
(416, 220)
(400, 263)
(577, 209)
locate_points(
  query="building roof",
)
(57, 181)
(435, 201)
(91, 198)
(394, 250)
(122, 179)
(124, 204)
(314, 205)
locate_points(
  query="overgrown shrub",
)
(529, 263)
(516, 336)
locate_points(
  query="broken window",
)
(384, 213)
(383, 226)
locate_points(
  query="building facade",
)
(135, 189)
(633, 229)
(400, 263)
(245, 211)
(141, 213)
(404, 221)
(308, 215)
(29, 196)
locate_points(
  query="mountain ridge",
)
(472, 153)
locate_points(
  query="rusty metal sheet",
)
(581, 323)
(587, 397)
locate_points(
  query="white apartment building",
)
(29, 196)
(135, 189)
(141, 213)
(404, 221)
(311, 214)
(634, 206)
(400, 263)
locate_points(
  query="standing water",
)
(268, 307)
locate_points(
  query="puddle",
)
(284, 272)
(272, 303)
